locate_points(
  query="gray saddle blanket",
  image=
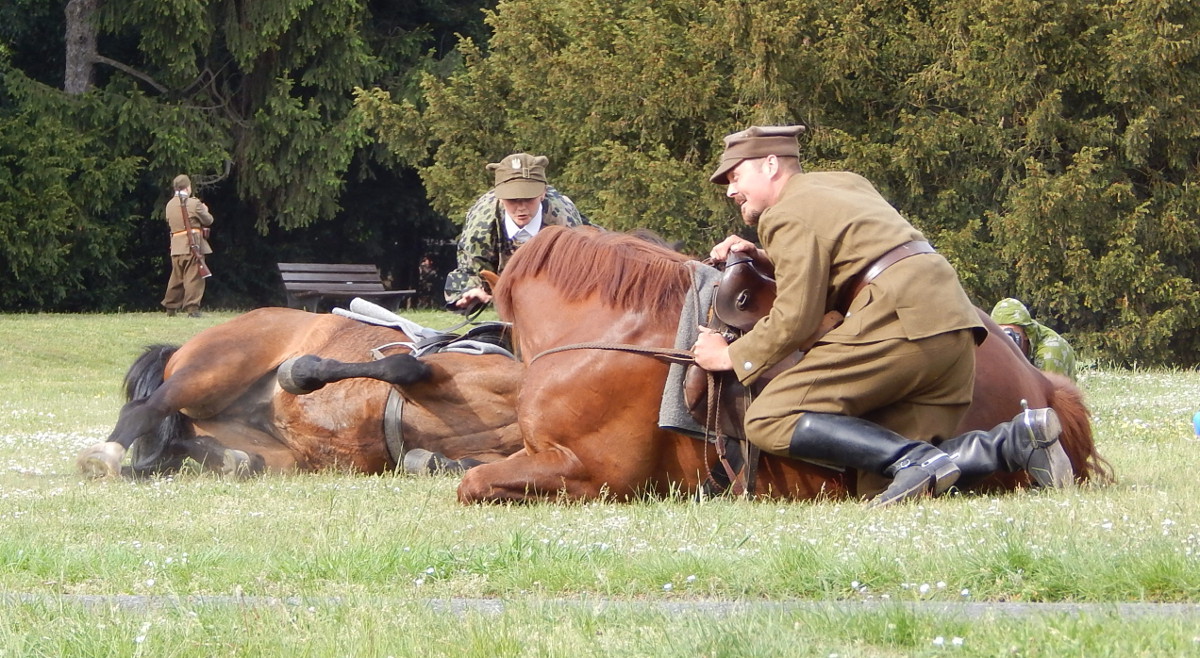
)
(673, 412)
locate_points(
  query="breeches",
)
(185, 288)
(918, 389)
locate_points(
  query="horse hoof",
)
(293, 381)
(102, 460)
(419, 461)
(235, 463)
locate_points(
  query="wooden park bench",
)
(309, 284)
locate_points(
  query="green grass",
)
(367, 554)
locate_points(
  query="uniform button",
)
(747, 366)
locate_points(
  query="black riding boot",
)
(1028, 442)
(914, 466)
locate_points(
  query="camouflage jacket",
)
(1047, 349)
(483, 244)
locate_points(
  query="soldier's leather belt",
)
(183, 232)
(885, 261)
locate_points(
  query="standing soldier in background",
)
(185, 289)
(509, 214)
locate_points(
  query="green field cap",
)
(756, 142)
(520, 176)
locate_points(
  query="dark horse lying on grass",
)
(588, 416)
(216, 401)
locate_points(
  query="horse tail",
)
(1077, 440)
(145, 377)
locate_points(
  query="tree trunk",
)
(81, 45)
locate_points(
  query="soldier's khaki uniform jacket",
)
(825, 229)
(484, 245)
(198, 216)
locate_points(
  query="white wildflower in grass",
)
(958, 641)
(924, 589)
(964, 593)
(939, 641)
(668, 587)
(690, 579)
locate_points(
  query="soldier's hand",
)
(732, 243)
(711, 350)
(472, 297)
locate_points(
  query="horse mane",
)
(625, 271)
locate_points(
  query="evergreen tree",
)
(1047, 148)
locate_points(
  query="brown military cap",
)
(520, 176)
(756, 142)
(182, 182)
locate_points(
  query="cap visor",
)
(721, 175)
(520, 189)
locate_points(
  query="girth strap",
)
(393, 428)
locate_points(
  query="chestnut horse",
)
(588, 416)
(216, 400)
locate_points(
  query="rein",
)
(664, 354)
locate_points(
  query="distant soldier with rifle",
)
(189, 220)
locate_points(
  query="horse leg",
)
(144, 413)
(215, 457)
(524, 477)
(138, 418)
(308, 373)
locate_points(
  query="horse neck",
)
(543, 318)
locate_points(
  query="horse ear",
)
(491, 278)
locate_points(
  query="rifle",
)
(193, 244)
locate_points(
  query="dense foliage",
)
(103, 104)
(1048, 148)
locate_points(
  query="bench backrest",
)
(330, 277)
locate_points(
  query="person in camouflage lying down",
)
(1042, 345)
(501, 220)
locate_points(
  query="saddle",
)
(485, 337)
(745, 294)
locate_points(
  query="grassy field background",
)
(338, 564)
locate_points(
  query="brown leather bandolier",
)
(193, 244)
(893, 256)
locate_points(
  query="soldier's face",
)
(1017, 333)
(522, 211)
(750, 187)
